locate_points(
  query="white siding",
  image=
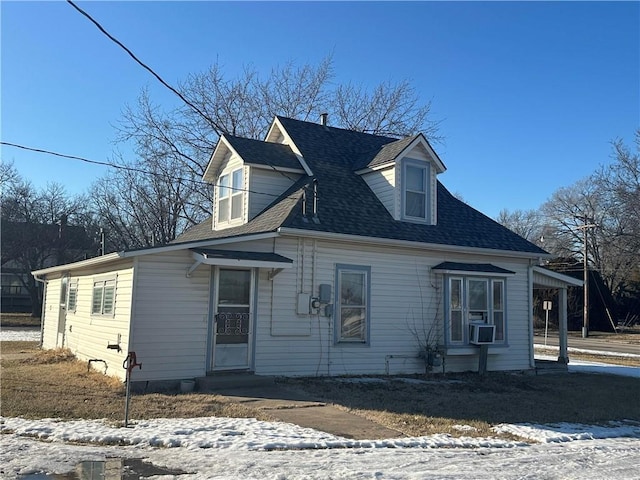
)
(50, 310)
(87, 335)
(382, 183)
(406, 297)
(170, 317)
(265, 186)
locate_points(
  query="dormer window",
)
(415, 192)
(230, 198)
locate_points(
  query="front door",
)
(233, 319)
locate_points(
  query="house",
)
(27, 246)
(329, 252)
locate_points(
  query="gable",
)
(339, 197)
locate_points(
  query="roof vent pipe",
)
(323, 119)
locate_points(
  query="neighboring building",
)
(329, 252)
(27, 246)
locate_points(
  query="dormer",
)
(247, 176)
(403, 175)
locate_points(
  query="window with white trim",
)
(415, 191)
(353, 292)
(230, 196)
(474, 299)
(103, 297)
(72, 296)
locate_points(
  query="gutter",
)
(110, 257)
(411, 244)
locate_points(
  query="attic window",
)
(230, 199)
(415, 192)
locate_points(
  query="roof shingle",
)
(346, 204)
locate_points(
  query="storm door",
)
(233, 319)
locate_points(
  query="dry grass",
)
(446, 402)
(53, 384)
(18, 320)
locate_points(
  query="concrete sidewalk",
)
(290, 405)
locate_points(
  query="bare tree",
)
(609, 199)
(526, 223)
(42, 228)
(174, 146)
(391, 109)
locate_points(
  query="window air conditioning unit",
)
(482, 333)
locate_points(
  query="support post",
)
(563, 356)
(484, 354)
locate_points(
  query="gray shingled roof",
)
(346, 204)
(264, 153)
(472, 267)
(386, 154)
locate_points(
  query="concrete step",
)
(226, 381)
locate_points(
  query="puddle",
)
(109, 469)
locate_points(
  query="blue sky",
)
(529, 94)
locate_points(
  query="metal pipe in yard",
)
(129, 364)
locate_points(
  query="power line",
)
(131, 169)
(215, 126)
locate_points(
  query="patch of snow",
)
(216, 448)
(591, 352)
(567, 432)
(581, 366)
(25, 335)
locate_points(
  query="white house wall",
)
(87, 335)
(50, 309)
(267, 185)
(170, 317)
(382, 183)
(398, 305)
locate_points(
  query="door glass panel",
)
(234, 297)
(235, 287)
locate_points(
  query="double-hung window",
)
(353, 293)
(474, 299)
(103, 298)
(415, 192)
(230, 196)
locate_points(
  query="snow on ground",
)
(596, 367)
(22, 335)
(225, 448)
(602, 353)
(212, 448)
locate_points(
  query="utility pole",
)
(585, 266)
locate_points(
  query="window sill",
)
(347, 343)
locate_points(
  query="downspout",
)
(532, 361)
(44, 296)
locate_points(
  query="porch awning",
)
(466, 268)
(545, 278)
(233, 258)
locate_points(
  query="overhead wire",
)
(132, 169)
(216, 127)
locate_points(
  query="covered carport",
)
(543, 278)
